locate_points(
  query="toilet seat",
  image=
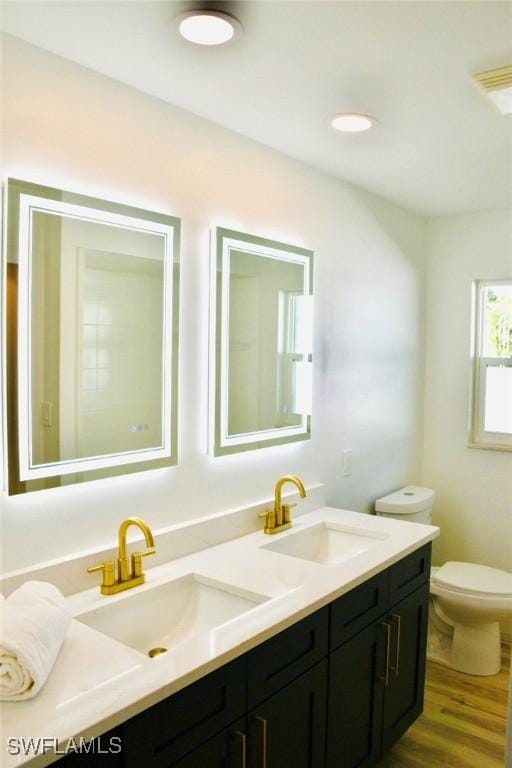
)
(472, 579)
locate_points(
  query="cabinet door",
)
(403, 699)
(356, 696)
(226, 750)
(289, 728)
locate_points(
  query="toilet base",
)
(474, 649)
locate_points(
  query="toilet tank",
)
(412, 503)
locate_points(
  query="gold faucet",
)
(279, 518)
(127, 577)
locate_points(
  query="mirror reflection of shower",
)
(120, 397)
(96, 353)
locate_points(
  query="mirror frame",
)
(222, 242)
(21, 199)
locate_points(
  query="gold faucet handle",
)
(286, 512)
(107, 569)
(137, 561)
(270, 519)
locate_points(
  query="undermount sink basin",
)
(327, 543)
(192, 608)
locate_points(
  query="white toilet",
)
(467, 601)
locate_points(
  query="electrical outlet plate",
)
(346, 462)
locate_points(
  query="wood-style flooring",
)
(463, 722)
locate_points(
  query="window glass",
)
(497, 320)
(492, 390)
(498, 399)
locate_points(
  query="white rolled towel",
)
(33, 623)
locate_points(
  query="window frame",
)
(479, 437)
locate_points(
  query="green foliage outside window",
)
(497, 341)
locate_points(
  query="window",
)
(492, 383)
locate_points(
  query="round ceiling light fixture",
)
(351, 122)
(205, 27)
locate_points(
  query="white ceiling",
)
(440, 146)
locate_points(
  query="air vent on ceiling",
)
(498, 85)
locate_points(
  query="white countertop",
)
(97, 682)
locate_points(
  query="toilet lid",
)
(468, 577)
(406, 501)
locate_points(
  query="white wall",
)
(69, 127)
(473, 486)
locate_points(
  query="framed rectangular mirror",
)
(91, 337)
(260, 342)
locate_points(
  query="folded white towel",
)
(33, 622)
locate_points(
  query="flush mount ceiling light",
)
(205, 27)
(351, 122)
(498, 85)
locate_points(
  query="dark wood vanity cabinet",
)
(377, 672)
(286, 729)
(376, 682)
(335, 690)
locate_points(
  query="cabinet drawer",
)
(169, 730)
(281, 659)
(409, 574)
(226, 750)
(353, 612)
